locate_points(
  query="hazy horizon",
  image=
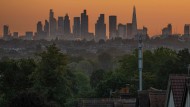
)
(22, 15)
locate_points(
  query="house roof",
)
(178, 87)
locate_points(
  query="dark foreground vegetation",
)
(53, 79)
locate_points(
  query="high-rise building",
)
(52, 22)
(40, 28)
(46, 28)
(134, 23)
(187, 29)
(122, 31)
(6, 31)
(15, 35)
(67, 28)
(129, 31)
(84, 24)
(29, 35)
(100, 28)
(60, 25)
(112, 26)
(76, 26)
(167, 31)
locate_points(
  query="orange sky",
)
(22, 15)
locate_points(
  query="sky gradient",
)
(22, 15)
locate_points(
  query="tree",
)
(52, 78)
(96, 77)
(15, 77)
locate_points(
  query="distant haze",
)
(22, 15)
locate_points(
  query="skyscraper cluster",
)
(61, 28)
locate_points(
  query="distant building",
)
(84, 24)
(76, 26)
(40, 28)
(6, 31)
(129, 31)
(167, 31)
(67, 27)
(187, 29)
(143, 33)
(122, 31)
(134, 23)
(52, 23)
(100, 28)
(28, 36)
(46, 28)
(15, 35)
(60, 25)
(112, 26)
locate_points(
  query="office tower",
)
(15, 35)
(76, 26)
(170, 29)
(52, 22)
(60, 25)
(29, 35)
(112, 26)
(67, 29)
(122, 31)
(143, 33)
(46, 28)
(100, 28)
(39, 28)
(167, 31)
(187, 29)
(129, 31)
(84, 24)
(6, 31)
(134, 23)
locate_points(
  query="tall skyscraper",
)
(39, 28)
(129, 31)
(167, 31)
(112, 26)
(52, 22)
(134, 23)
(76, 26)
(60, 25)
(187, 29)
(6, 31)
(100, 28)
(84, 24)
(67, 28)
(122, 31)
(46, 28)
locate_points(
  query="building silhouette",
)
(15, 35)
(167, 31)
(53, 24)
(60, 25)
(67, 28)
(112, 26)
(187, 29)
(100, 28)
(129, 31)
(134, 23)
(29, 35)
(6, 31)
(84, 24)
(122, 31)
(46, 28)
(76, 26)
(39, 28)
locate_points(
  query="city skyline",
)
(153, 17)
